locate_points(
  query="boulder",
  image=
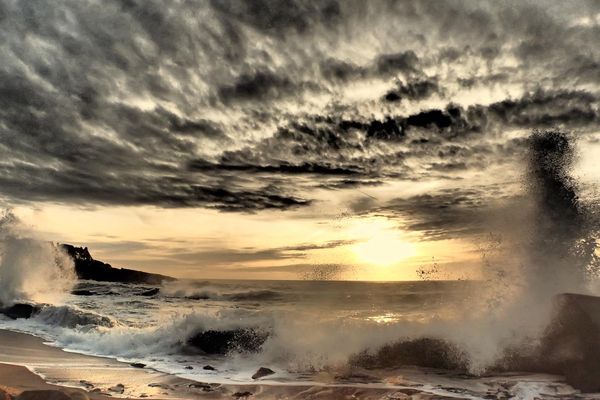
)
(137, 365)
(571, 344)
(118, 388)
(5, 395)
(262, 371)
(209, 368)
(17, 311)
(222, 342)
(43, 395)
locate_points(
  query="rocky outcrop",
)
(88, 268)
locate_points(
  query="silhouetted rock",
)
(222, 342)
(262, 371)
(209, 368)
(137, 365)
(43, 395)
(17, 311)
(88, 268)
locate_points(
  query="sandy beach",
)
(27, 364)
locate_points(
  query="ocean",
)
(303, 326)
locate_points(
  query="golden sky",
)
(334, 140)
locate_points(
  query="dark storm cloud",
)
(204, 104)
(261, 85)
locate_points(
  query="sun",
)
(380, 243)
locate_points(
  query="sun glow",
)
(380, 243)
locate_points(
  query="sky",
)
(287, 139)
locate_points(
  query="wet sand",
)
(29, 364)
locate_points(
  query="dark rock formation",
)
(17, 311)
(209, 368)
(570, 345)
(421, 352)
(222, 342)
(88, 268)
(137, 365)
(262, 371)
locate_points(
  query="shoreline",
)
(27, 363)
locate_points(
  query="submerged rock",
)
(222, 342)
(262, 371)
(137, 365)
(209, 368)
(17, 311)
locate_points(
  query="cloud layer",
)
(247, 106)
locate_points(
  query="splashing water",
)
(31, 270)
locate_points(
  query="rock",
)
(4, 395)
(24, 310)
(239, 395)
(137, 365)
(149, 292)
(88, 268)
(200, 385)
(88, 385)
(82, 292)
(262, 371)
(570, 345)
(222, 342)
(118, 388)
(43, 395)
(160, 385)
(209, 368)
(188, 367)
